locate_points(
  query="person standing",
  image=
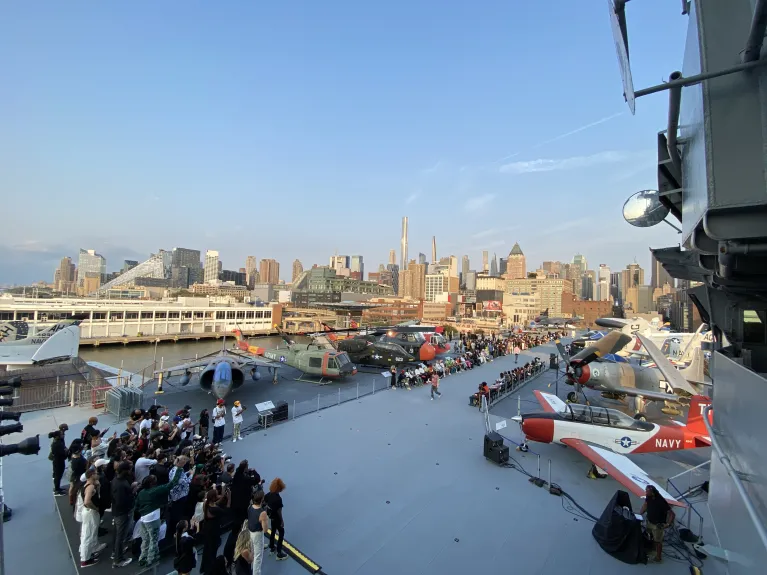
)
(58, 458)
(219, 421)
(123, 500)
(273, 500)
(89, 533)
(659, 517)
(516, 354)
(236, 420)
(186, 554)
(258, 523)
(77, 466)
(204, 423)
(435, 386)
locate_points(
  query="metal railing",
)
(45, 395)
(739, 487)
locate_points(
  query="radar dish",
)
(618, 24)
(644, 209)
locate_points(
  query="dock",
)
(174, 337)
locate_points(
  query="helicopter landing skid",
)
(320, 381)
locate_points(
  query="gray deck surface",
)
(392, 483)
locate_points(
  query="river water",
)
(135, 357)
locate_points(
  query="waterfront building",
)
(211, 268)
(89, 262)
(131, 318)
(157, 267)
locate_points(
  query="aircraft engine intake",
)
(540, 430)
(581, 374)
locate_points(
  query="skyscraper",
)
(270, 272)
(465, 266)
(434, 249)
(64, 278)
(392, 257)
(660, 276)
(211, 269)
(631, 277)
(454, 267)
(357, 267)
(251, 271)
(516, 264)
(485, 262)
(403, 246)
(577, 268)
(89, 262)
(494, 266)
(298, 269)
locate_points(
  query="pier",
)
(174, 337)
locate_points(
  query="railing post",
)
(549, 473)
(358, 390)
(318, 402)
(339, 396)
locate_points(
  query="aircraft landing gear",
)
(523, 448)
(596, 473)
(572, 397)
(639, 406)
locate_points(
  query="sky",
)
(300, 129)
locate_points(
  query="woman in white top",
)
(237, 420)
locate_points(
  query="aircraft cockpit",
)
(602, 416)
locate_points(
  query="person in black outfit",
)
(659, 518)
(241, 487)
(58, 458)
(77, 466)
(185, 560)
(161, 469)
(123, 500)
(204, 423)
(214, 511)
(273, 500)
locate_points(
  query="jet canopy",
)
(602, 416)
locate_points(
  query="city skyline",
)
(121, 158)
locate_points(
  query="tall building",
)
(269, 273)
(298, 269)
(403, 246)
(660, 276)
(604, 277)
(632, 276)
(433, 249)
(64, 280)
(552, 268)
(454, 273)
(578, 267)
(89, 262)
(357, 267)
(485, 262)
(412, 281)
(394, 270)
(588, 285)
(185, 266)
(211, 268)
(392, 257)
(421, 259)
(516, 265)
(251, 271)
(494, 266)
(502, 266)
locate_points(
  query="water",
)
(135, 357)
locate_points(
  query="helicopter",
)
(310, 359)
(410, 339)
(368, 350)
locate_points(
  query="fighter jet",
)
(219, 373)
(617, 380)
(606, 436)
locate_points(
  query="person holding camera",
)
(58, 457)
(237, 420)
(219, 421)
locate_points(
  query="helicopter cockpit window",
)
(411, 337)
(315, 362)
(342, 360)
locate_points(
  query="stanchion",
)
(318, 402)
(358, 390)
(539, 467)
(294, 409)
(339, 396)
(549, 472)
(374, 386)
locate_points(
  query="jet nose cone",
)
(427, 352)
(221, 389)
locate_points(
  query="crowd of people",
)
(163, 485)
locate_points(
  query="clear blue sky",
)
(292, 129)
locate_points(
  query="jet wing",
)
(550, 402)
(611, 322)
(675, 379)
(620, 468)
(634, 392)
(197, 364)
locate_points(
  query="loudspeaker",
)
(492, 440)
(553, 361)
(499, 455)
(280, 411)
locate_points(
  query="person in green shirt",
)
(149, 501)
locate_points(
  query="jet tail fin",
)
(695, 372)
(695, 421)
(13, 331)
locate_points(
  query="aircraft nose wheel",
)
(572, 397)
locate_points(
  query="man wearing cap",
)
(237, 420)
(219, 421)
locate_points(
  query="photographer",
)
(58, 457)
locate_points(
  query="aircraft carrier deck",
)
(392, 482)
